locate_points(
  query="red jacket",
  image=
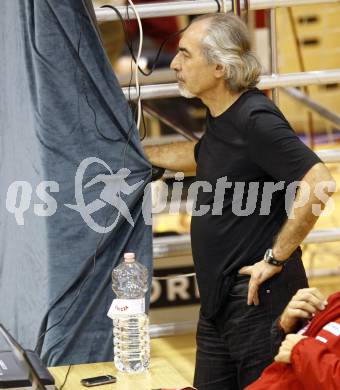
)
(315, 361)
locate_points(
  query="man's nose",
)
(174, 63)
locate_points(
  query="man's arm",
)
(295, 229)
(178, 156)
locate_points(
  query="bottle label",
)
(126, 306)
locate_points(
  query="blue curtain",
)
(72, 180)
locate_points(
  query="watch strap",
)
(270, 259)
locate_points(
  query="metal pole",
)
(266, 82)
(152, 91)
(324, 235)
(158, 76)
(273, 49)
(266, 4)
(171, 329)
(193, 7)
(329, 155)
(163, 247)
(302, 68)
(299, 79)
(158, 10)
(314, 106)
(157, 114)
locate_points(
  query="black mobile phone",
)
(98, 380)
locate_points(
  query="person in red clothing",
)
(309, 359)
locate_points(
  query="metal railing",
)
(329, 155)
(157, 114)
(266, 82)
(170, 329)
(313, 105)
(176, 8)
(164, 247)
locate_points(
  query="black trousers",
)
(235, 346)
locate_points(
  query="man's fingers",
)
(305, 306)
(253, 292)
(283, 355)
(292, 339)
(312, 295)
(259, 272)
(299, 313)
(311, 299)
(317, 294)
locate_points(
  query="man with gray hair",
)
(248, 264)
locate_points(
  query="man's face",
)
(195, 76)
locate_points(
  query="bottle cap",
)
(129, 257)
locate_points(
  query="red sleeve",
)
(316, 366)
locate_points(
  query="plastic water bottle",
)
(130, 323)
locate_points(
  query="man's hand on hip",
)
(304, 304)
(259, 273)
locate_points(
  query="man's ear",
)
(220, 71)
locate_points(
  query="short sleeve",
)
(197, 148)
(276, 149)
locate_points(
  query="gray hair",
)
(227, 43)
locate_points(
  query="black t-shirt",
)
(250, 146)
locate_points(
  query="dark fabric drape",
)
(63, 116)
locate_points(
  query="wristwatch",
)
(270, 259)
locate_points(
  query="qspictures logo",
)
(19, 196)
(114, 185)
(243, 202)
